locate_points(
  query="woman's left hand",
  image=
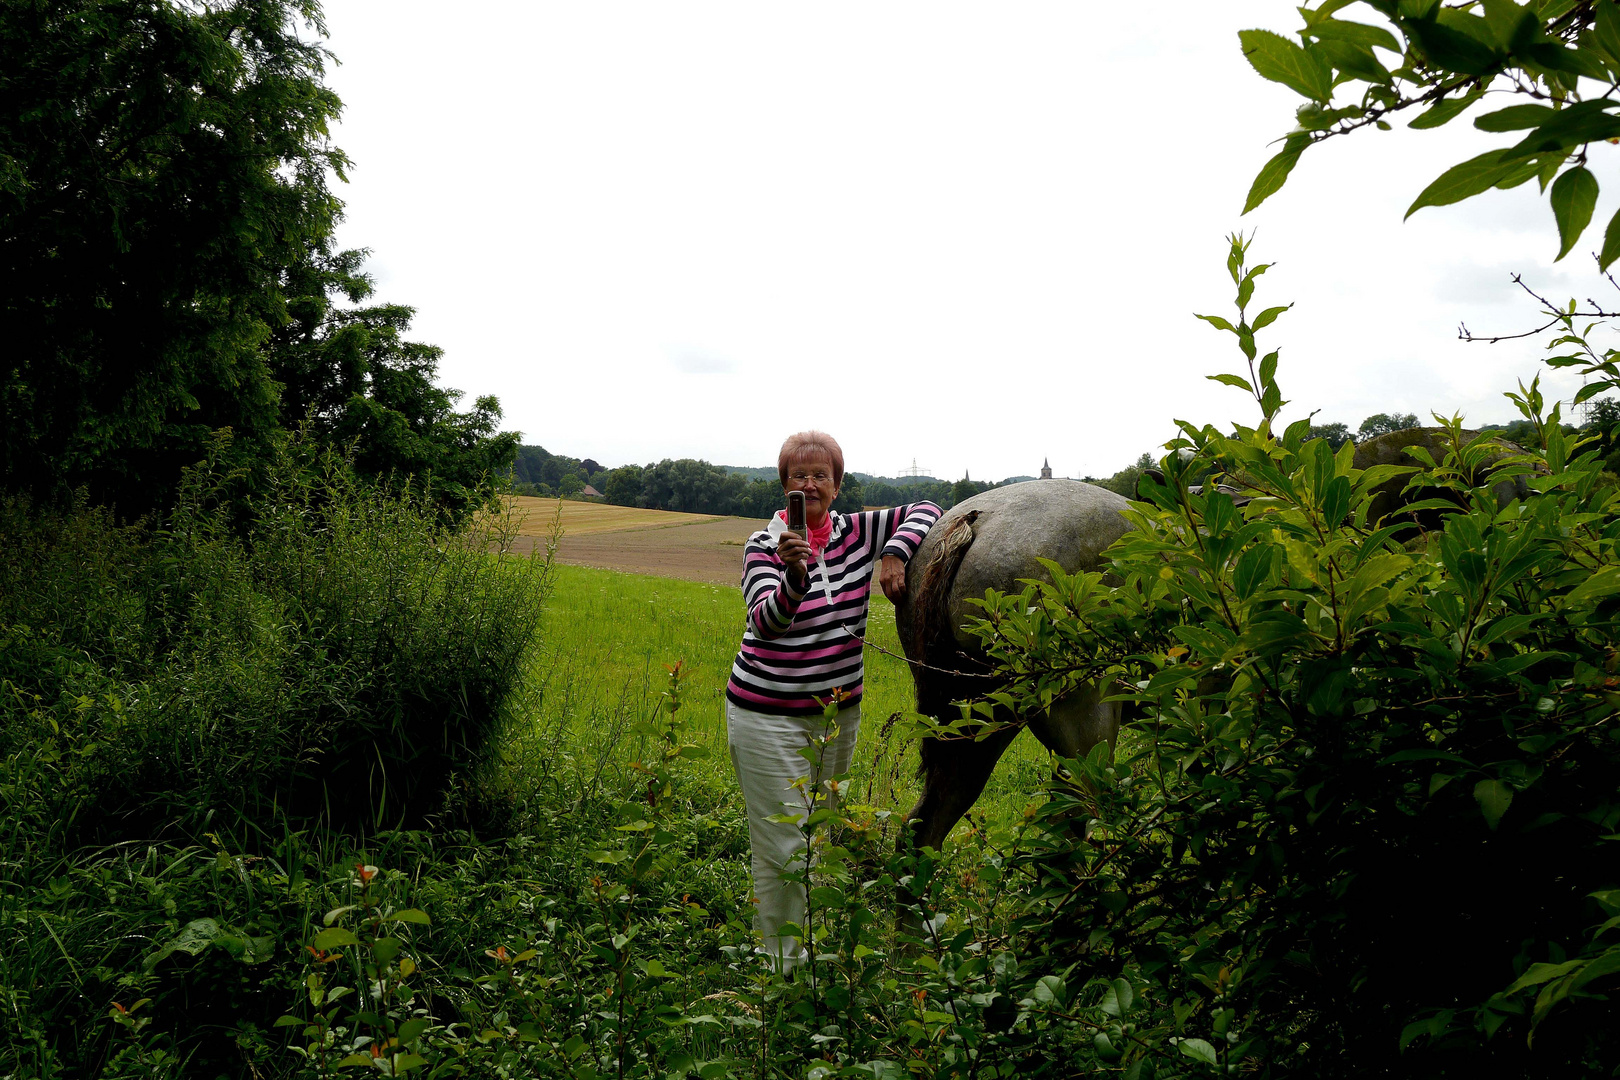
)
(892, 576)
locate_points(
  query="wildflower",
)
(498, 953)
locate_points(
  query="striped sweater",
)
(796, 647)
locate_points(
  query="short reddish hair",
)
(806, 443)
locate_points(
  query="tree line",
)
(694, 486)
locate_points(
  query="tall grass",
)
(338, 657)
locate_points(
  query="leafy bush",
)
(339, 657)
(1367, 816)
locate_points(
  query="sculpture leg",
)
(954, 774)
(1077, 723)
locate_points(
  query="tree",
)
(162, 169)
(1449, 56)
(624, 486)
(1335, 434)
(166, 260)
(350, 375)
(850, 496)
(1603, 422)
(1383, 423)
(966, 488)
(1124, 481)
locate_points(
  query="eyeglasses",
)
(800, 477)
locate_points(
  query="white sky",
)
(969, 234)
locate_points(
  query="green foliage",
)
(165, 256)
(144, 228)
(344, 658)
(1365, 818)
(349, 376)
(1383, 424)
(1335, 434)
(1446, 58)
(1124, 482)
(534, 465)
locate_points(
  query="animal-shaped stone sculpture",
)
(991, 541)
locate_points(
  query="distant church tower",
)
(1046, 469)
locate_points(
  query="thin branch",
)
(1558, 315)
(1464, 334)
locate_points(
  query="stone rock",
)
(1067, 521)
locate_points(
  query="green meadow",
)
(608, 639)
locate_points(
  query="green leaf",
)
(411, 1030)
(1217, 322)
(1281, 60)
(406, 1062)
(1267, 317)
(334, 937)
(1611, 243)
(287, 1021)
(1555, 57)
(1494, 798)
(1198, 1050)
(1355, 33)
(1574, 194)
(1511, 26)
(1050, 990)
(1605, 582)
(1353, 61)
(1607, 30)
(1446, 109)
(1588, 121)
(410, 915)
(1515, 118)
(1232, 380)
(1268, 368)
(1274, 173)
(1476, 175)
(192, 939)
(1540, 973)
(1460, 43)
(331, 916)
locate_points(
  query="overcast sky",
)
(973, 235)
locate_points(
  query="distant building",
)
(1046, 469)
(590, 492)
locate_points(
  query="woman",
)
(806, 599)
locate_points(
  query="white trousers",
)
(765, 752)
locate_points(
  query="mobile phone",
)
(795, 509)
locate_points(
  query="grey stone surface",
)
(1067, 521)
(1391, 449)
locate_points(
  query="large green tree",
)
(162, 168)
(166, 258)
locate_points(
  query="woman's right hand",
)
(794, 551)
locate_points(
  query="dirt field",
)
(693, 547)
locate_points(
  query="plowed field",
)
(693, 547)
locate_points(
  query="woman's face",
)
(814, 477)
